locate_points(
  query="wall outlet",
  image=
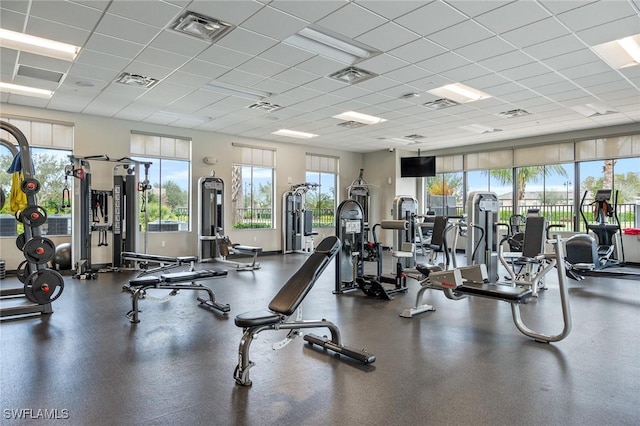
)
(162, 243)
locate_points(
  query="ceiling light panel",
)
(238, 91)
(201, 26)
(459, 92)
(359, 117)
(37, 45)
(594, 109)
(25, 90)
(294, 134)
(620, 53)
(331, 45)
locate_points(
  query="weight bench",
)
(164, 263)
(284, 304)
(172, 281)
(226, 248)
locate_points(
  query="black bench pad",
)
(177, 277)
(495, 291)
(257, 318)
(158, 258)
(146, 280)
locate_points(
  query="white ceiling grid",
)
(529, 54)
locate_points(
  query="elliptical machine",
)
(586, 253)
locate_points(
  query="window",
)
(167, 204)
(50, 145)
(252, 187)
(444, 194)
(323, 171)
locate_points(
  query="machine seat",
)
(496, 291)
(257, 318)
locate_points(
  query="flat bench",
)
(241, 249)
(164, 263)
(284, 304)
(174, 281)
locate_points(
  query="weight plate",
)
(43, 286)
(20, 240)
(39, 250)
(22, 272)
(30, 186)
(33, 216)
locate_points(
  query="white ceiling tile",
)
(541, 80)
(27, 101)
(444, 62)
(90, 73)
(262, 67)
(310, 11)
(162, 58)
(463, 34)
(408, 74)
(615, 86)
(71, 102)
(222, 56)
(44, 62)
(512, 16)
(159, 14)
(58, 32)
(195, 101)
(350, 91)
(246, 41)
(486, 81)
(584, 70)
(101, 60)
(554, 47)
(240, 78)
(466, 72)
(598, 79)
(302, 94)
(351, 20)
(567, 96)
(431, 18)
(506, 61)
(484, 49)
(559, 6)
(64, 12)
(632, 73)
(274, 23)
(205, 69)
(320, 65)
(429, 83)
(179, 43)
(286, 54)
(8, 59)
(382, 63)
(417, 50)
(148, 70)
(525, 71)
(567, 60)
(390, 9)
(164, 93)
(273, 86)
(558, 87)
(15, 6)
(595, 14)
(109, 103)
(295, 76)
(610, 31)
(113, 46)
(474, 7)
(126, 29)
(186, 79)
(378, 83)
(233, 12)
(10, 20)
(546, 29)
(387, 37)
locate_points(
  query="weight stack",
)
(3, 269)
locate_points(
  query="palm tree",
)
(525, 175)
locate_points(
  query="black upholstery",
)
(534, 233)
(146, 280)
(158, 258)
(437, 237)
(297, 287)
(178, 277)
(493, 291)
(255, 318)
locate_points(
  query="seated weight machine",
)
(297, 220)
(284, 305)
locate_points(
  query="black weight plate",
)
(44, 286)
(20, 240)
(30, 186)
(33, 216)
(22, 272)
(39, 250)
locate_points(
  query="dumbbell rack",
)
(42, 285)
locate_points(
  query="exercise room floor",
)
(465, 364)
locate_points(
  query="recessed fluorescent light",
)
(359, 117)
(333, 46)
(620, 53)
(239, 91)
(479, 128)
(38, 45)
(25, 90)
(594, 108)
(201, 26)
(294, 134)
(459, 92)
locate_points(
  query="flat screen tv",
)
(417, 166)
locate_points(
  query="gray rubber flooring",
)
(464, 364)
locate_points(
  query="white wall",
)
(98, 135)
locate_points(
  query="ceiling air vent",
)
(39, 73)
(440, 103)
(514, 113)
(265, 106)
(201, 26)
(414, 137)
(352, 75)
(351, 124)
(136, 80)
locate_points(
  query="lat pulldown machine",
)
(297, 221)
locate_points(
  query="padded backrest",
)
(437, 237)
(296, 288)
(534, 234)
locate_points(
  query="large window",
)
(322, 171)
(444, 194)
(50, 145)
(167, 203)
(252, 187)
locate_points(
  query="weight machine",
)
(213, 245)
(482, 236)
(404, 238)
(42, 285)
(297, 221)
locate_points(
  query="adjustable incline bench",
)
(165, 263)
(284, 304)
(174, 281)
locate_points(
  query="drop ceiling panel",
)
(58, 32)
(488, 48)
(82, 71)
(262, 67)
(264, 21)
(594, 14)
(387, 37)
(311, 11)
(547, 29)
(273, 86)
(610, 31)
(126, 29)
(295, 76)
(101, 60)
(408, 74)
(512, 16)
(473, 8)
(444, 62)
(431, 18)
(156, 14)
(234, 12)
(554, 47)
(44, 62)
(10, 20)
(113, 46)
(585, 70)
(320, 66)
(352, 20)
(247, 42)
(463, 34)
(506, 61)
(179, 43)
(148, 70)
(65, 12)
(223, 56)
(162, 58)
